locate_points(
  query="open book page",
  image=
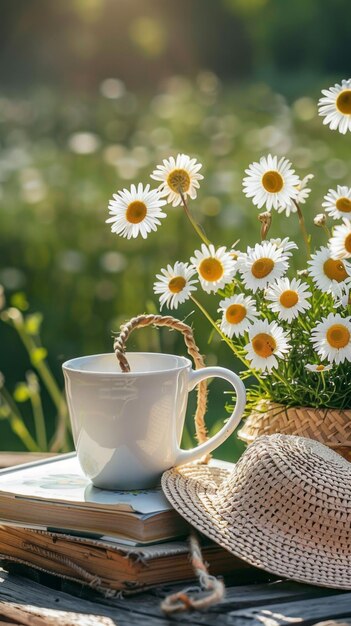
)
(62, 480)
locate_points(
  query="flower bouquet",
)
(290, 330)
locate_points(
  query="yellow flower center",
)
(177, 284)
(272, 181)
(235, 313)
(338, 336)
(262, 267)
(348, 243)
(289, 298)
(264, 345)
(343, 102)
(211, 269)
(179, 180)
(320, 368)
(343, 205)
(136, 212)
(335, 270)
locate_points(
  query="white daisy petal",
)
(135, 212)
(312, 367)
(337, 203)
(335, 106)
(175, 284)
(178, 175)
(267, 343)
(302, 195)
(271, 183)
(238, 313)
(262, 265)
(331, 338)
(216, 268)
(288, 298)
(340, 242)
(329, 274)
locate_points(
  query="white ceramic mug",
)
(127, 427)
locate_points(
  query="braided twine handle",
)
(140, 321)
(213, 588)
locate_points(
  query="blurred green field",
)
(64, 155)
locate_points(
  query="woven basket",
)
(329, 426)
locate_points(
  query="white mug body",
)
(127, 427)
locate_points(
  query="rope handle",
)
(214, 588)
(141, 321)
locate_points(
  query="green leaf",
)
(21, 393)
(38, 355)
(33, 323)
(19, 301)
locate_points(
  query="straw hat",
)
(285, 508)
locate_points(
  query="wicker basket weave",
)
(329, 426)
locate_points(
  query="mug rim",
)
(66, 366)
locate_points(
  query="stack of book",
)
(53, 519)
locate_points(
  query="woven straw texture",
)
(329, 426)
(285, 508)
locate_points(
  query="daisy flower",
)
(261, 265)
(267, 342)
(338, 203)
(288, 298)
(215, 268)
(175, 284)
(271, 183)
(331, 338)
(302, 194)
(340, 242)
(285, 245)
(311, 367)
(136, 211)
(329, 275)
(180, 175)
(335, 106)
(238, 313)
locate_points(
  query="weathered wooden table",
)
(253, 598)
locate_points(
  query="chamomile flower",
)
(311, 367)
(285, 245)
(267, 343)
(238, 313)
(215, 268)
(178, 175)
(262, 265)
(337, 203)
(328, 274)
(335, 106)
(271, 183)
(175, 284)
(331, 338)
(340, 242)
(302, 195)
(136, 211)
(288, 298)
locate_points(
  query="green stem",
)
(227, 340)
(192, 221)
(39, 420)
(303, 229)
(52, 387)
(17, 424)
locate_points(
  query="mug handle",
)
(195, 377)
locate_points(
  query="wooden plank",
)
(303, 612)
(41, 602)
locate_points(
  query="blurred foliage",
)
(63, 155)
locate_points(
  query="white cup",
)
(127, 427)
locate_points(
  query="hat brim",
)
(274, 547)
